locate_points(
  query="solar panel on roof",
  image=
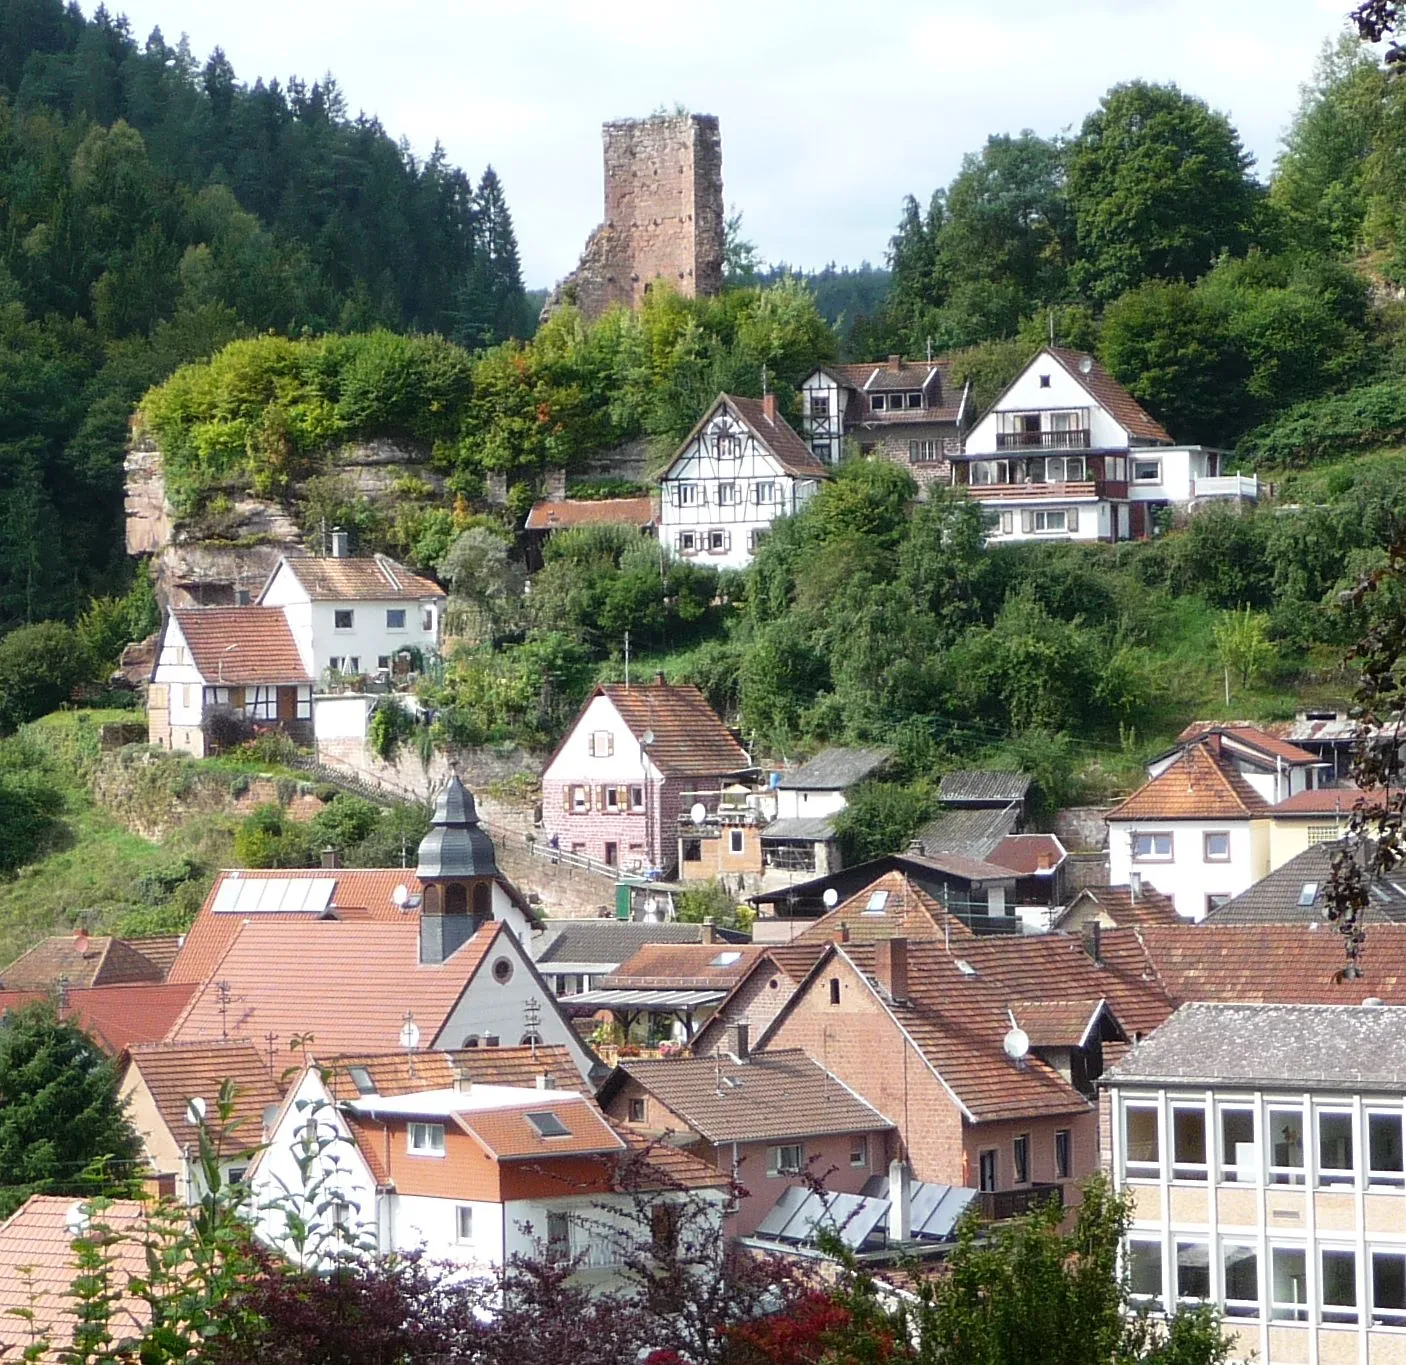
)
(283, 895)
(857, 1218)
(783, 1211)
(951, 1206)
(923, 1201)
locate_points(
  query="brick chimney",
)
(741, 1041)
(1213, 744)
(1093, 940)
(891, 966)
(895, 362)
(842, 933)
(330, 857)
(659, 679)
(710, 930)
(769, 407)
(1044, 860)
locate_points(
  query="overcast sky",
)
(830, 112)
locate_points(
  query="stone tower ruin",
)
(663, 215)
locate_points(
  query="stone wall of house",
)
(1082, 828)
(664, 216)
(891, 444)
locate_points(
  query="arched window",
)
(456, 899)
(531, 1039)
(432, 900)
(471, 1040)
(483, 900)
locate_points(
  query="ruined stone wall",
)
(664, 217)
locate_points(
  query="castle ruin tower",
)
(664, 219)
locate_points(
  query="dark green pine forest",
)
(154, 208)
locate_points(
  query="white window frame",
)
(1334, 1177)
(1020, 1159)
(687, 495)
(1240, 1308)
(424, 1139)
(878, 402)
(1153, 1301)
(601, 743)
(728, 493)
(1141, 1169)
(1154, 856)
(637, 797)
(1007, 523)
(1045, 523)
(1228, 1164)
(736, 843)
(338, 613)
(1154, 465)
(1198, 1172)
(1206, 854)
(1385, 1317)
(427, 620)
(788, 1158)
(463, 1214)
(765, 491)
(988, 1156)
(688, 542)
(719, 542)
(1063, 1153)
(859, 1152)
(1276, 1174)
(1383, 1179)
(1284, 1310)
(580, 801)
(1178, 1243)
(1338, 1312)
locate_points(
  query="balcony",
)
(1076, 439)
(998, 1205)
(1227, 486)
(1024, 492)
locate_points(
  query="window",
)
(1338, 1286)
(578, 799)
(784, 1160)
(361, 1078)
(727, 494)
(1216, 846)
(1242, 1280)
(1007, 523)
(1239, 1155)
(688, 542)
(1335, 1166)
(427, 620)
(1286, 1146)
(1215, 900)
(765, 491)
(819, 405)
(1044, 381)
(693, 850)
(1288, 1284)
(547, 1124)
(236, 1174)
(343, 620)
(734, 841)
(1147, 471)
(915, 400)
(1061, 1153)
(1051, 521)
(730, 958)
(490, 1040)
(986, 1170)
(821, 450)
(834, 990)
(612, 798)
(383, 663)
(859, 1152)
(1193, 1271)
(341, 1213)
(602, 743)
(717, 542)
(463, 1223)
(1154, 847)
(686, 494)
(637, 1110)
(1020, 1159)
(877, 903)
(1141, 1149)
(502, 971)
(395, 618)
(729, 446)
(636, 798)
(1384, 1150)
(1389, 1287)
(1064, 469)
(558, 1235)
(1188, 1142)
(924, 452)
(877, 402)
(1145, 1272)
(1308, 893)
(427, 1139)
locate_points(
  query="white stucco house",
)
(738, 470)
(1067, 452)
(1274, 767)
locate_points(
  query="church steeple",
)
(457, 868)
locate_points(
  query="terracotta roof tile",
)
(1197, 785)
(652, 1165)
(683, 967)
(402, 1073)
(1255, 736)
(907, 911)
(160, 949)
(509, 1133)
(689, 739)
(1056, 1023)
(1121, 910)
(372, 578)
(81, 960)
(38, 1266)
(367, 975)
(1327, 801)
(175, 1073)
(772, 1096)
(567, 512)
(116, 1017)
(370, 1142)
(1028, 854)
(1111, 396)
(786, 447)
(241, 645)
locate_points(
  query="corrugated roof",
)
(568, 512)
(683, 967)
(985, 787)
(241, 645)
(371, 578)
(891, 906)
(1297, 892)
(971, 831)
(1198, 784)
(176, 1073)
(787, 448)
(99, 960)
(1323, 1047)
(773, 1096)
(689, 739)
(1111, 396)
(835, 769)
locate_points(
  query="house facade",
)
(910, 413)
(738, 470)
(1067, 453)
(622, 784)
(1273, 766)
(1262, 1146)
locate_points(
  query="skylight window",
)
(361, 1078)
(1309, 893)
(877, 903)
(725, 959)
(548, 1125)
(964, 966)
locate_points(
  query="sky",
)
(830, 112)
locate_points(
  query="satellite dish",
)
(400, 895)
(195, 1111)
(831, 898)
(647, 738)
(75, 1220)
(1016, 1044)
(698, 813)
(410, 1035)
(1086, 363)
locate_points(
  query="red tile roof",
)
(689, 739)
(100, 960)
(370, 578)
(116, 1017)
(176, 1073)
(403, 1073)
(684, 967)
(1328, 801)
(1111, 396)
(1056, 1023)
(1120, 909)
(564, 513)
(158, 948)
(787, 448)
(907, 912)
(241, 645)
(1197, 785)
(1245, 732)
(349, 985)
(1028, 854)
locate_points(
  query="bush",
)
(29, 809)
(881, 817)
(268, 838)
(390, 726)
(1364, 418)
(712, 900)
(224, 728)
(40, 666)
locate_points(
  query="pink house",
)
(636, 759)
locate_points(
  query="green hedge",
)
(1364, 418)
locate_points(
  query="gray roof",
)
(1328, 1047)
(814, 829)
(608, 942)
(1297, 893)
(457, 845)
(835, 769)
(979, 786)
(973, 831)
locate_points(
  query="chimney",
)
(1044, 860)
(891, 966)
(659, 679)
(900, 1202)
(462, 1083)
(339, 543)
(80, 939)
(710, 930)
(546, 1081)
(842, 934)
(330, 857)
(1213, 743)
(769, 407)
(554, 485)
(895, 362)
(1134, 886)
(1093, 933)
(917, 848)
(741, 1041)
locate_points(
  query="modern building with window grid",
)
(1262, 1146)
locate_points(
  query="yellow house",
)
(1319, 816)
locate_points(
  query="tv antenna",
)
(532, 1021)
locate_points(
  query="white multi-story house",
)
(1262, 1147)
(1272, 766)
(1067, 452)
(738, 470)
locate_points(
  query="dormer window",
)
(878, 402)
(915, 400)
(819, 405)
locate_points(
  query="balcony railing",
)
(1077, 439)
(998, 1205)
(1227, 486)
(1086, 488)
